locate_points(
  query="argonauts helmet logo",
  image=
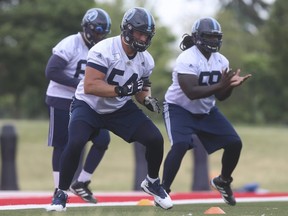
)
(91, 15)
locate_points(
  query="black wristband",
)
(118, 90)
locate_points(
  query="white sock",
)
(56, 178)
(152, 180)
(84, 176)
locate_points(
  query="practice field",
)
(263, 160)
(139, 203)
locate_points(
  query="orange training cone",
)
(214, 210)
(145, 202)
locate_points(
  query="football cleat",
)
(59, 202)
(161, 198)
(225, 190)
(81, 189)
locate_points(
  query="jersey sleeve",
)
(65, 49)
(185, 64)
(98, 57)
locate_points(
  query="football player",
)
(65, 69)
(202, 75)
(117, 68)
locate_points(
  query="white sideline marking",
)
(176, 202)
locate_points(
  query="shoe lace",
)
(59, 198)
(159, 189)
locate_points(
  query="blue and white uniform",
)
(73, 50)
(193, 62)
(66, 67)
(109, 57)
(184, 117)
(120, 115)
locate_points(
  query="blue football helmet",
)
(137, 19)
(96, 25)
(207, 34)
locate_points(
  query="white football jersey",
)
(74, 51)
(120, 70)
(192, 61)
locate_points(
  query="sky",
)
(172, 13)
(179, 14)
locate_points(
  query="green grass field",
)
(242, 209)
(263, 160)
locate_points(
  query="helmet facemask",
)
(94, 34)
(134, 43)
(207, 35)
(209, 42)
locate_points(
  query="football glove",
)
(129, 89)
(152, 104)
(146, 82)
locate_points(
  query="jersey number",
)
(80, 68)
(115, 72)
(210, 78)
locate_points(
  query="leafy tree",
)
(28, 32)
(248, 12)
(247, 50)
(277, 37)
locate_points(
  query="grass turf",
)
(264, 151)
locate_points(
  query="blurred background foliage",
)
(255, 40)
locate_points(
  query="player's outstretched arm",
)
(95, 84)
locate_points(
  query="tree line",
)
(29, 29)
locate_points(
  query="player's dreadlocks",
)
(187, 42)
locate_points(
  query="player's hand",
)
(226, 77)
(152, 104)
(130, 89)
(231, 79)
(237, 79)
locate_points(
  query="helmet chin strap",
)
(124, 41)
(204, 52)
(129, 50)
